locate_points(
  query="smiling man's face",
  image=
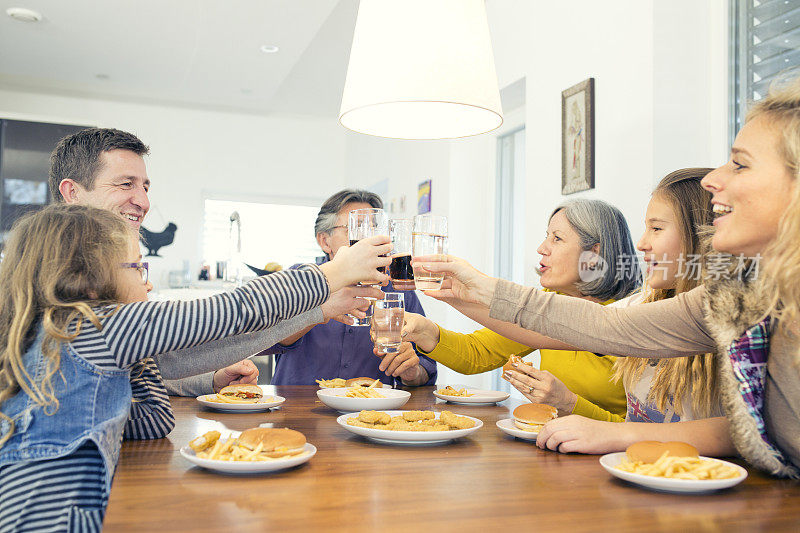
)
(121, 186)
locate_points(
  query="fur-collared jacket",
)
(732, 306)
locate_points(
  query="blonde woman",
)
(746, 314)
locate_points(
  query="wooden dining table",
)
(482, 482)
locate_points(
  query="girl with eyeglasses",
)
(75, 329)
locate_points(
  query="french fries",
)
(332, 383)
(450, 391)
(209, 446)
(692, 468)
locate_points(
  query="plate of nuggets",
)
(470, 396)
(409, 427)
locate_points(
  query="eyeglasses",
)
(142, 267)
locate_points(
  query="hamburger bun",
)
(511, 360)
(360, 382)
(649, 451)
(276, 442)
(245, 392)
(532, 416)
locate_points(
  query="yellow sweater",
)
(584, 373)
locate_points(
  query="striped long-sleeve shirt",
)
(69, 492)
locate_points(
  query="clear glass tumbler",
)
(430, 238)
(387, 322)
(400, 271)
(361, 224)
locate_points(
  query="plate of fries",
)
(228, 457)
(238, 405)
(468, 396)
(676, 474)
(337, 383)
(349, 399)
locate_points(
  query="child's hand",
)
(359, 263)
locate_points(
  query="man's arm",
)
(191, 386)
(227, 351)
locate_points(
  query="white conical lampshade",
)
(421, 69)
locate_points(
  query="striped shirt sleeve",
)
(151, 414)
(135, 331)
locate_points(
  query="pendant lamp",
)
(421, 69)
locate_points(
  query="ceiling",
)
(196, 53)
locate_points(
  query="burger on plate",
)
(532, 416)
(244, 392)
(360, 382)
(649, 451)
(275, 442)
(511, 360)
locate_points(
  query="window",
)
(270, 233)
(509, 207)
(765, 41)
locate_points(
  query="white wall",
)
(197, 154)
(661, 104)
(660, 72)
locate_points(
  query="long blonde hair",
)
(59, 263)
(782, 255)
(679, 377)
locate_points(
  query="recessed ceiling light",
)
(102, 76)
(269, 48)
(23, 15)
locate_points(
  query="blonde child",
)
(74, 326)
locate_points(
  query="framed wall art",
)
(424, 197)
(577, 137)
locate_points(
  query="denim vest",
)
(93, 404)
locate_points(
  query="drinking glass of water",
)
(387, 322)
(430, 238)
(361, 224)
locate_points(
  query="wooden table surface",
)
(481, 482)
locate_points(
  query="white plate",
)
(481, 397)
(267, 402)
(336, 398)
(507, 426)
(250, 467)
(407, 437)
(611, 460)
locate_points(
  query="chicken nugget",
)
(357, 423)
(374, 417)
(204, 441)
(455, 421)
(400, 425)
(439, 427)
(414, 416)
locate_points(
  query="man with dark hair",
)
(338, 349)
(105, 168)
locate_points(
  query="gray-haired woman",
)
(580, 255)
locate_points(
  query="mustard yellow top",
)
(584, 373)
